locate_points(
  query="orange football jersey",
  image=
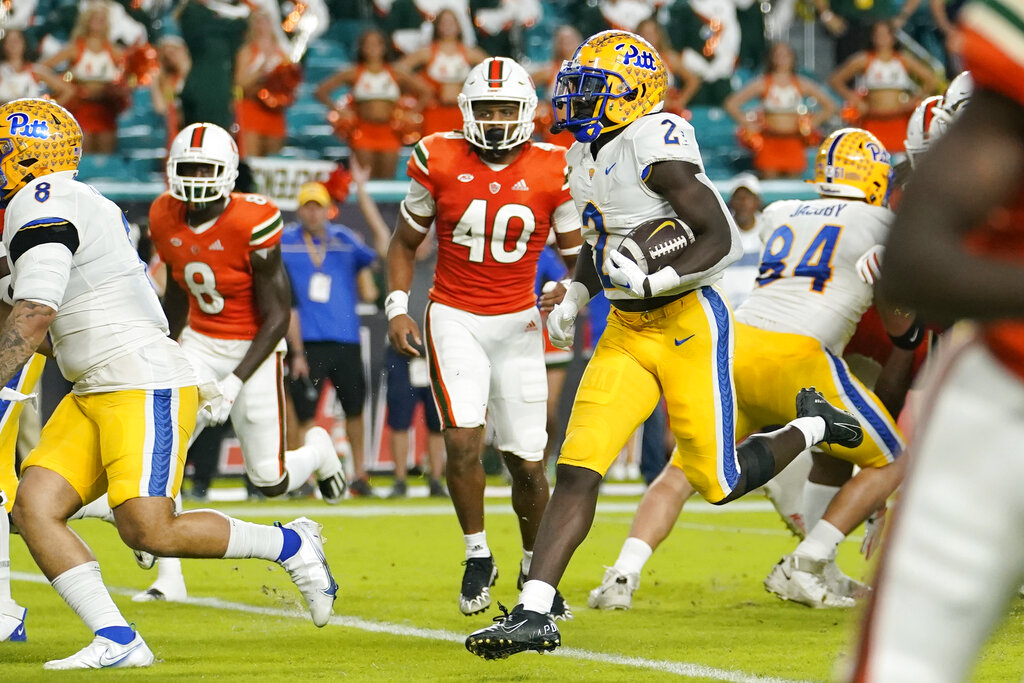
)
(212, 264)
(491, 225)
(994, 52)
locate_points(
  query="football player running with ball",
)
(668, 332)
(124, 429)
(494, 196)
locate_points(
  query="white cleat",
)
(166, 589)
(103, 653)
(801, 579)
(143, 559)
(330, 475)
(12, 621)
(615, 592)
(309, 570)
(841, 584)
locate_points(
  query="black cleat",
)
(480, 575)
(560, 610)
(841, 428)
(514, 632)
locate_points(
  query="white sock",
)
(476, 545)
(82, 588)
(5, 555)
(97, 509)
(254, 540)
(300, 465)
(821, 543)
(813, 429)
(815, 502)
(537, 596)
(527, 561)
(168, 571)
(634, 556)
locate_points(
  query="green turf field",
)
(701, 613)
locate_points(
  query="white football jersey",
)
(109, 333)
(807, 282)
(612, 197)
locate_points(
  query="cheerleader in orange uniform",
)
(890, 85)
(369, 116)
(780, 132)
(261, 120)
(444, 63)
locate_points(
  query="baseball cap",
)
(747, 181)
(314, 192)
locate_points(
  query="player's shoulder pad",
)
(781, 207)
(262, 214)
(437, 145)
(662, 136)
(49, 196)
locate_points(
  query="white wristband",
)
(396, 304)
(663, 280)
(577, 294)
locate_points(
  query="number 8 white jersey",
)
(612, 197)
(807, 282)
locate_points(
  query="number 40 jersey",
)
(211, 262)
(808, 282)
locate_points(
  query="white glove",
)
(229, 388)
(627, 276)
(873, 528)
(869, 266)
(562, 318)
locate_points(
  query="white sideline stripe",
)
(685, 669)
(398, 510)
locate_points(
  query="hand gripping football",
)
(656, 243)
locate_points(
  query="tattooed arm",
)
(22, 332)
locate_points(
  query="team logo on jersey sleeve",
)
(466, 177)
(494, 187)
(176, 241)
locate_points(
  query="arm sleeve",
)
(42, 274)
(566, 218)
(665, 137)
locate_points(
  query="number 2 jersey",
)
(491, 224)
(807, 282)
(612, 196)
(109, 333)
(211, 262)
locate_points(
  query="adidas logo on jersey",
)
(216, 246)
(530, 326)
(521, 186)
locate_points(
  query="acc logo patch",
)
(22, 125)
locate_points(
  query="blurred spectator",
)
(94, 65)
(780, 132)
(851, 22)
(371, 117)
(565, 41)
(21, 77)
(753, 40)
(708, 34)
(264, 92)
(500, 24)
(213, 33)
(409, 22)
(890, 84)
(683, 84)
(944, 15)
(445, 63)
(408, 383)
(329, 269)
(165, 88)
(745, 203)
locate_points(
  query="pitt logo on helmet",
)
(639, 58)
(853, 164)
(37, 137)
(32, 128)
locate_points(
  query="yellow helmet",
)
(613, 79)
(852, 163)
(37, 137)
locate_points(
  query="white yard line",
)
(684, 669)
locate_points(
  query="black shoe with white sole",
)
(841, 428)
(477, 579)
(514, 632)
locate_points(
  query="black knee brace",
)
(757, 467)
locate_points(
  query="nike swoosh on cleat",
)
(511, 629)
(105, 662)
(680, 342)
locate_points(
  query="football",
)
(656, 243)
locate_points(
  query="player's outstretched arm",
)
(695, 201)
(273, 293)
(977, 166)
(403, 331)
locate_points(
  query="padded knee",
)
(757, 467)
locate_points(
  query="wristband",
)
(661, 281)
(396, 304)
(911, 339)
(576, 294)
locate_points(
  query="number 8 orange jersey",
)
(491, 224)
(212, 263)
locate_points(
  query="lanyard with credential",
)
(317, 256)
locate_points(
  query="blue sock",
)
(291, 544)
(122, 635)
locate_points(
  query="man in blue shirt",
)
(329, 268)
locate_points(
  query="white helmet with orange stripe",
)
(202, 164)
(498, 79)
(918, 135)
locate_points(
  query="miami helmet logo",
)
(22, 125)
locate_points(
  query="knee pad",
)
(757, 467)
(266, 473)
